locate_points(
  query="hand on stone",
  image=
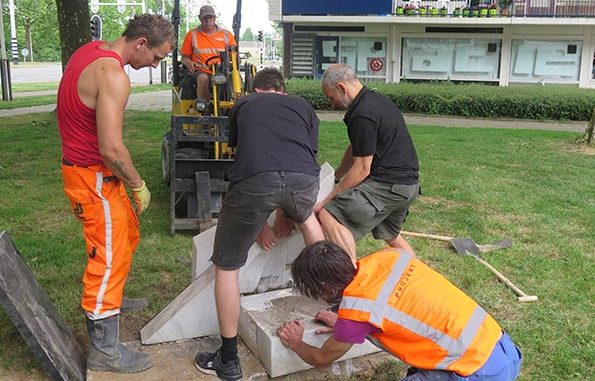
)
(328, 318)
(291, 333)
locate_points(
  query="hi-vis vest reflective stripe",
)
(211, 50)
(424, 319)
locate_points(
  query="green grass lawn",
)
(27, 87)
(535, 187)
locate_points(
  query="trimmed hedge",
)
(551, 102)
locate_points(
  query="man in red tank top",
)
(96, 167)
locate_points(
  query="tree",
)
(587, 136)
(248, 35)
(74, 24)
(37, 28)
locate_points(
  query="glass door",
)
(327, 53)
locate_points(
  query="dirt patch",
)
(130, 326)
(582, 149)
(440, 201)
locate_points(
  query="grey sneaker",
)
(210, 363)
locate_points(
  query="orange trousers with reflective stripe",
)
(110, 230)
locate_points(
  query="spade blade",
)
(501, 244)
(464, 246)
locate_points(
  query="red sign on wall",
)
(376, 64)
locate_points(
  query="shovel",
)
(466, 246)
(500, 244)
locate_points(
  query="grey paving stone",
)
(32, 312)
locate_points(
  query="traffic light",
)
(95, 27)
(260, 35)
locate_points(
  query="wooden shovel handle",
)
(522, 297)
(423, 235)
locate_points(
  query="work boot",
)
(106, 353)
(133, 305)
(210, 363)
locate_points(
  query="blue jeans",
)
(504, 364)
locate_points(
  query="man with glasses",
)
(201, 44)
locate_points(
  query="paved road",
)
(161, 101)
(52, 72)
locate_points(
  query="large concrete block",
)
(261, 315)
(192, 313)
(34, 315)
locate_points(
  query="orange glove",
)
(142, 198)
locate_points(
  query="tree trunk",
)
(75, 26)
(587, 136)
(28, 37)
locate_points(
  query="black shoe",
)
(210, 363)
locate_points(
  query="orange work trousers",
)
(110, 229)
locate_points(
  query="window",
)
(366, 55)
(535, 61)
(451, 58)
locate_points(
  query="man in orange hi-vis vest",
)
(202, 43)
(410, 310)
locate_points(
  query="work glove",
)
(142, 198)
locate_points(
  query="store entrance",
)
(327, 53)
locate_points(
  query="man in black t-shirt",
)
(379, 171)
(276, 140)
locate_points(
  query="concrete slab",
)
(39, 323)
(175, 361)
(261, 315)
(192, 313)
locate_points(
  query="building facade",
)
(505, 42)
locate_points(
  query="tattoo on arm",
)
(118, 168)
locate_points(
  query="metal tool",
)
(466, 246)
(500, 244)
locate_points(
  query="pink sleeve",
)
(354, 332)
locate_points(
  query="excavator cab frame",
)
(195, 155)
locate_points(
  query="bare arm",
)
(291, 334)
(112, 94)
(359, 170)
(346, 162)
(191, 65)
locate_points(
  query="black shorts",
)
(247, 205)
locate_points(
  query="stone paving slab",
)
(37, 320)
(262, 314)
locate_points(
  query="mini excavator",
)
(194, 154)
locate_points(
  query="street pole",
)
(2, 42)
(4, 64)
(187, 21)
(13, 33)
(30, 45)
